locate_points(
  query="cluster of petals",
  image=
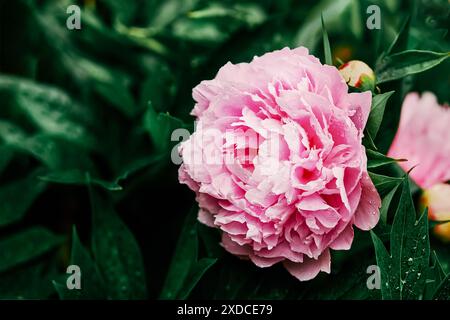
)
(277, 162)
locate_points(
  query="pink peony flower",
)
(423, 138)
(277, 163)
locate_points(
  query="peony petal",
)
(206, 218)
(328, 218)
(360, 103)
(263, 262)
(344, 240)
(312, 203)
(367, 213)
(309, 268)
(184, 177)
(233, 247)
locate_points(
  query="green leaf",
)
(6, 154)
(443, 253)
(116, 251)
(389, 277)
(402, 64)
(117, 94)
(31, 281)
(122, 11)
(404, 271)
(51, 110)
(326, 44)
(92, 73)
(159, 86)
(250, 14)
(368, 140)
(363, 241)
(211, 241)
(78, 177)
(184, 257)
(410, 244)
(194, 276)
(385, 204)
(25, 246)
(400, 41)
(231, 279)
(384, 184)
(17, 197)
(139, 164)
(216, 23)
(62, 291)
(434, 223)
(92, 286)
(169, 10)
(11, 134)
(376, 159)
(348, 283)
(443, 291)
(376, 114)
(53, 152)
(435, 277)
(412, 247)
(333, 10)
(144, 37)
(185, 269)
(160, 127)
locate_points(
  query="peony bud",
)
(358, 74)
(437, 199)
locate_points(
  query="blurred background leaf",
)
(102, 102)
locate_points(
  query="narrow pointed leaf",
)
(77, 177)
(384, 184)
(25, 246)
(443, 291)
(326, 44)
(385, 203)
(195, 275)
(435, 276)
(384, 262)
(92, 286)
(405, 269)
(400, 41)
(116, 251)
(18, 196)
(376, 114)
(184, 258)
(376, 159)
(402, 64)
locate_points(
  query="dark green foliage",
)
(86, 123)
(186, 268)
(404, 270)
(116, 252)
(25, 246)
(92, 285)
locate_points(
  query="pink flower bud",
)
(358, 74)
(437, 199)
